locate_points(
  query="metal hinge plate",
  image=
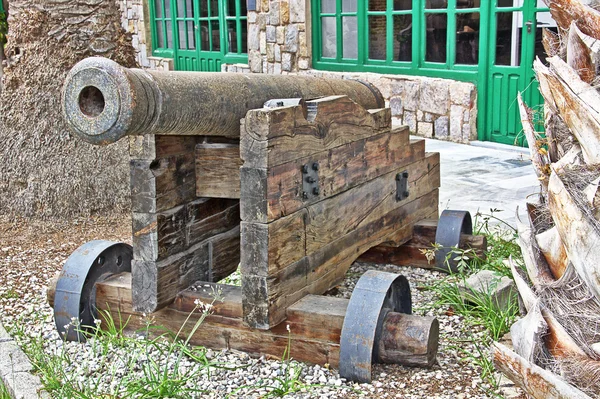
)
(402, 186)
(310, 181)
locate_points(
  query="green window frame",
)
(224, 20)
(406, 51)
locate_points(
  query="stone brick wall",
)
(133, 19)
(278, 39)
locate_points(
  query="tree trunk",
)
(46, 171)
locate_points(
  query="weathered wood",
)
(554, 251)
(579, 57)
(318, 239)
(218, 170)
(527, 334)
(558, 341)
(538, 157)
(224, 254)
(579, 236)
(566, 12)
(412, 253)
(537, 382)
(576, 101)
(535, 263)
(340, 169)
(408, 340)
(332, 122)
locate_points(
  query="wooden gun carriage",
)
(290, 178)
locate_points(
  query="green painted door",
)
(515, 41)
(197, 36)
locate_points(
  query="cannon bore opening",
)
(91, 101)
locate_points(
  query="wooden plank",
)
(157, 283)
(223, 330)
(340, 169)
(332, 122)
(218, 170)
(537, 382)
(412, 252)
(266, 298)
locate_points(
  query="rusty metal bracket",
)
(402, 192)
(310, 181)
(450, 226)
(375, 295)
(75, 298)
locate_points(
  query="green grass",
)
(479, 309)
(3, 391)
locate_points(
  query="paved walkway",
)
(479, 178)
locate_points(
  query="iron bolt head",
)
(405, 175)
(304, 195)
(304, 168)
(398, 177)
(316, 191)
(315, 166)
(406, 194)
(310, 179)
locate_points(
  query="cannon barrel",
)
(103, 101)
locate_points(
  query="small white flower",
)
(198, 302)
(97, 322)
(287, 327)
(208, 306)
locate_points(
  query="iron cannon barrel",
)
(103, 101)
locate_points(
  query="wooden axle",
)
(315, 324)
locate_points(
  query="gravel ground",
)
(31, 252)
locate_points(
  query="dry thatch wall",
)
(45, 171)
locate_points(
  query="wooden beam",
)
(218, 170)
(537, 382)
(423, 238)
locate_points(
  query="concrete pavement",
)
(485, 176)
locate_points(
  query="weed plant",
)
(481, 309)
(3, 391)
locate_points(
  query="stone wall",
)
(278, 36)
(134, 15)
(437, 108)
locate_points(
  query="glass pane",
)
(436, 26)
(436, 4)
(214, 8)
(349, 5)
(467, 3)
(191, 35)
(180, 8)
(244, 35)
(402, 5)
(160, 35)
(189, 12)
(328, 36)
(328, 6)
(204, 43)
(158, 8)
(243, 8)
(403, 36)
(231, 37)
(203, 6)
(467, 38)
(230, 9)
(377, 5)
(182, 34)
(169, 32)
(377, 42)
(510, 3)
(167, 8)
(350, 37)
(216, 40)
(508, 38)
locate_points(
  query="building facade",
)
(449, 69)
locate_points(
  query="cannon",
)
(289, 178)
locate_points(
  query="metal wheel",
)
(450, 226)
(375, 295)
(75, 298)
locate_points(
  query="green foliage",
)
(3, 28)
(480, 309)
(3, 392)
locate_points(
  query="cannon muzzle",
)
(103, 101)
